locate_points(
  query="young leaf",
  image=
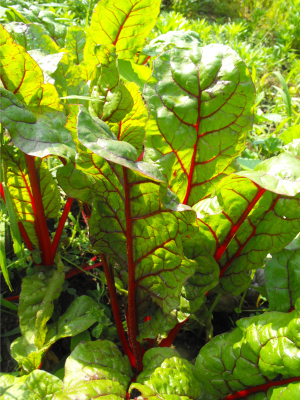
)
(123, 23)
(261, 350)
(116, 100)
(132, 128)
(206, 95)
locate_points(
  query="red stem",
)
(61, 225)
(116, 310)
(25, 236)
(84, 217)
(148, 58)
(40, 219)
(75, 272)
(221, 250)
(172, 335)
(2, 192)
(131, 312)
(261, 388)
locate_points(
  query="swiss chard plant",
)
(147, 137)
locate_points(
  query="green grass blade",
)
(286, 97)
(8, 304)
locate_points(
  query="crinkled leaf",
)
(104, 389)
(76, 319)
(19, 186)
(123, 23)
(21, 75)
(75, 42)
(283, 279)
(153, 359)
(261, 349)
(278, 174)
(206, 95)
(35, 386)
(171, 376)
(98, 360)
(132, 128)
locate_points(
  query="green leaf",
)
(153, 359)
(116, 100)
(290, 134)
(75, 320)
(36, 303)
(206, 95)
(35, 134)
(111, 233)
(253, 223)
(283, 279)
(32, 37)
(131, 72)
(167, 375)
(132, 128)
(18, 184)
(160, 323)
(75, 42)
(261, 349)
(179, 39)
(96, 360)
(278, 174)
(21, 75)
(288, 392)
(106, 389)
(35, 386)
(123, 23)
(247, 164)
